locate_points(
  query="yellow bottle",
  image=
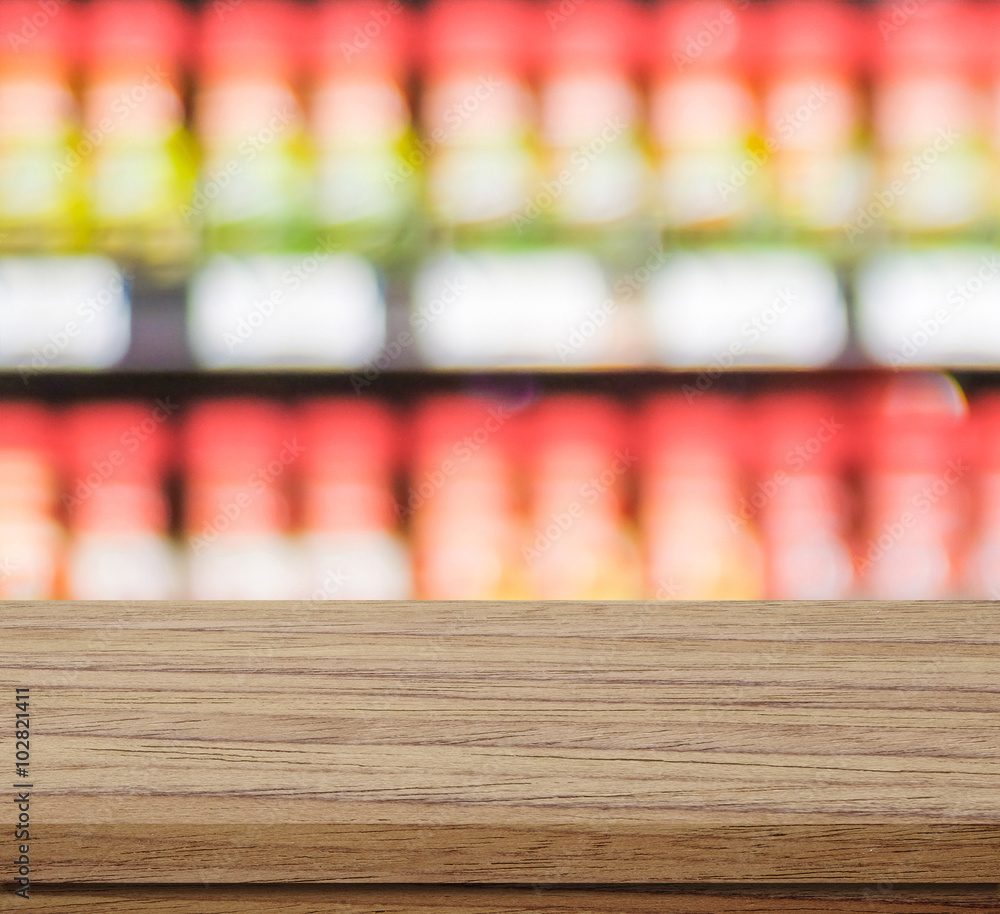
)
(137, 156)
(40, 199)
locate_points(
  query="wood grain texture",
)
(290, 899)
(503, 743)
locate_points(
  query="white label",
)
(538, 308)
(30, 553)
(938, 307)
(725, 309)
(62, 312)
(265, 566)
(132, 566)
(357, 566)
(320, 309)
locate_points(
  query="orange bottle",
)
(478, 114)
(580, 545)
(31, 541)
(351, 547)
(804, 505)
(366, 186)
(982, 569)
(813, 112)
(140, 164)
(930, 118)
(462, 503)
(699, 531)
(240, 456)
(914, 481)
(116, 505)
(41, 204)
(704, 116)
(591, 108)
(254, 190)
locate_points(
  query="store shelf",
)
(510, 743)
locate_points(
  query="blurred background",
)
(490, 299)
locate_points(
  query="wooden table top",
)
(329, 899)
(507, 742)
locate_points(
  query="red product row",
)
(698, 113)
(895, 494)
(312, 39)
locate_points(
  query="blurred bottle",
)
(254, 190)
(596, 174)
(478, 115)
(41, 204)
(983, 563)
(913, 495)
(704, 117)
(239, 460)
(367, 186)
(929, 118)
(802, 498)
(141, 166)
(811, 53)
(30, 535)
(698, 530)
(466, 531)
(352, 548)
(580, 545)
(990, 51)
(116, 507)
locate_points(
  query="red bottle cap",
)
(575, 435)
(233, 439)
(696, 35)
(136, 33)
(915, 424)
(700, 436)
(799, 433)
(362, 37)
(937, 36)
(120, 442)
(984, 438)
(251, 37)
(347, 438)
(599, 35)
(25, 426)
(350, 448)
(32, 33)
(458, 434)
(811, 36)
(484, 37)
